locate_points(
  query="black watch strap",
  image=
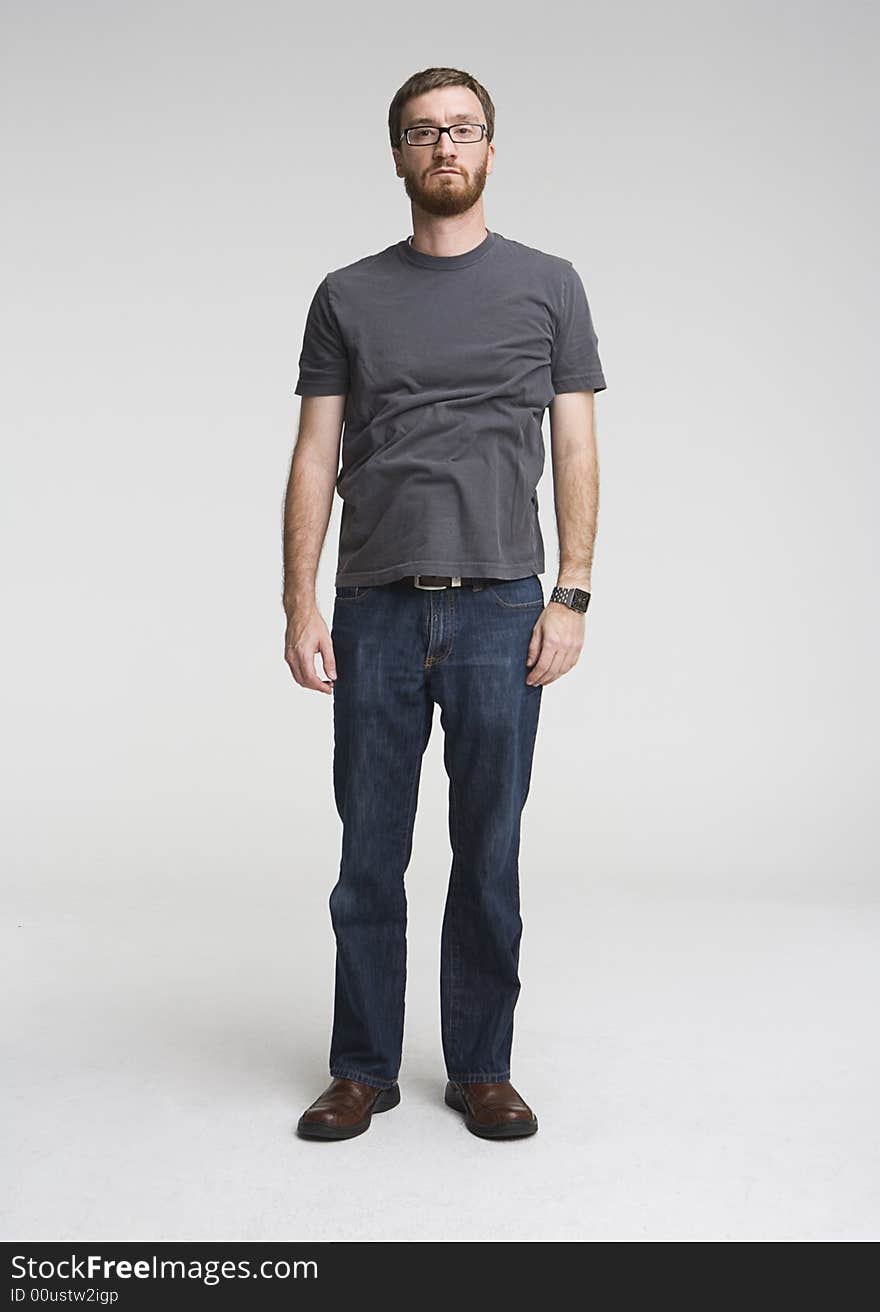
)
(575, 598)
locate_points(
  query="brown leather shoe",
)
(493, 1111)
(345, 1109)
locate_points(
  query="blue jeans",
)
(399, 650)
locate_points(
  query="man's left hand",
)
(557, 639)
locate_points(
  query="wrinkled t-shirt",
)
(447, 364)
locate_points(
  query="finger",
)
(552, 670)
(535, 644)
(328, 656)
(545, 660)
(557, 669)
(293, 662)
(309, 674)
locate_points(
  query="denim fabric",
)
(400, 650)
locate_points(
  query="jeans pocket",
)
(351, 591)
(518, 594)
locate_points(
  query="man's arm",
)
(307, 508)
(558, 635)
(575, 484)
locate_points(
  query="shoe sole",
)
(387, 1099)
(504, 1130)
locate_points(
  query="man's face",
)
(444, 193)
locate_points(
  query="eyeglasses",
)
(428, 135)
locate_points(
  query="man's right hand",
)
(307, 634)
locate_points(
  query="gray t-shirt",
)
(447, 364)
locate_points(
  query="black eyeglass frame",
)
(440, 131)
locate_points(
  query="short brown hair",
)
(429, 80)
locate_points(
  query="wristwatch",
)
(575, 598)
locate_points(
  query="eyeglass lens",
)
(427, 135)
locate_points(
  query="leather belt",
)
(432, 581)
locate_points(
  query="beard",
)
(445, 195)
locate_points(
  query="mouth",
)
(452, 171)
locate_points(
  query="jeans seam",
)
(346, 1073)
(429, 630)
(453, 919)
(431, 661)
(480, 1077)
(450, 597)
(409, 829)
(518, 605)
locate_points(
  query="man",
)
(439, 354)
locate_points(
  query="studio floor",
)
(702, 1069)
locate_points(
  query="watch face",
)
(575, 598)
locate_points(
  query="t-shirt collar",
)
(443, 262)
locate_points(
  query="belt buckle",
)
(436, 587)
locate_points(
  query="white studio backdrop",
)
(178, 180)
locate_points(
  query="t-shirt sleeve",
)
(323, 361)
(575, 365)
